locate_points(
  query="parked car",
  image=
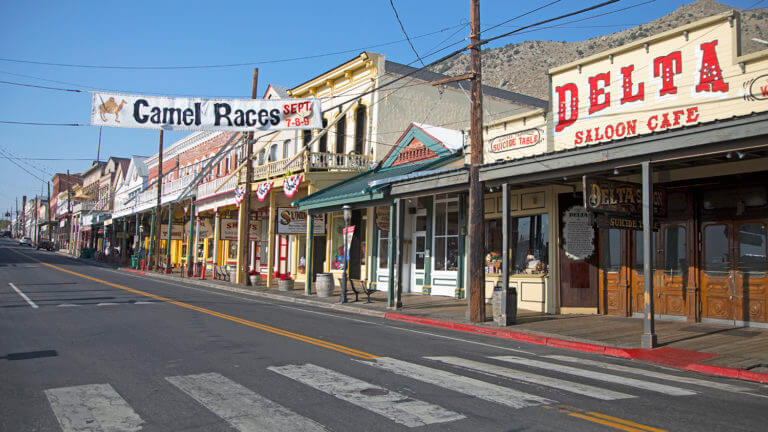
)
(5, 234)
(25, 241)
(45, 244)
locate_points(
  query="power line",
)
(402, 27)
(519, 16)
(41, 123)
(41, 87)
(25, 170)
(221, 66)
(519, 29)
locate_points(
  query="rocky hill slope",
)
(522, 67)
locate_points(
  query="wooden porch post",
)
(308, 254)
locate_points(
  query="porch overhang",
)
(369, 189)
(696, 145)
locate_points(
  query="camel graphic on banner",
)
(111, 107)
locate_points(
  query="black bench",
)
(358, 287)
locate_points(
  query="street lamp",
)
(347, 217)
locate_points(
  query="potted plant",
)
(285, 283)
(255, 277)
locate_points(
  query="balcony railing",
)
(312, 161)
(216, 186)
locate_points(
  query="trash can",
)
(504, 305)
(134, 262)
(324, 284)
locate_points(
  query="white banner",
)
(169, 113)
(292, 221)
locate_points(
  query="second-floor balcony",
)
(313, 161)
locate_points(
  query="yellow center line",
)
(606, 420)
(606, 423)
(626, 422)
(263, 327)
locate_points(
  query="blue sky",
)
(195, 33)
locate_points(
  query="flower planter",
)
(285, 284)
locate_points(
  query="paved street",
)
(86, 348)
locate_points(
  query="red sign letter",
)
(562, 122)
(595, 93)
(710, 77)
(626, 85)
(663, 66)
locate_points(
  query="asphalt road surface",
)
(86, 348)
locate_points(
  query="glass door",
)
(419, 250)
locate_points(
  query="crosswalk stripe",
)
(573, 387)
(660, 388)
(243, 409)
(470, 386)
(648, 373)
(93, 407)
(397, 407)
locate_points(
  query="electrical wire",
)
(25, 170)
(519, 16)
(41, 87)
(402, 27)
(220, 66)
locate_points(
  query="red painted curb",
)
(729, 372)
(674, 357)
(132, 271)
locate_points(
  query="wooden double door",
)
(621, 280)
(734, 273)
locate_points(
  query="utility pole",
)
(98, 149)
(17, 218)
(154, 240)
(70, 241)
(244, 215)
(50, 226)
(23, 215)
(476, 199)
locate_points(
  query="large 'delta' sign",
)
(679, 78)
(170, 113)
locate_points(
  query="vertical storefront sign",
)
(578, 233)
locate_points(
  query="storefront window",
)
(752, 248)
(337, 242)
(232, 251)
(493, 245)
(383, 249)
(446, 235)
(530, 244)
(301, 268)
(639, 248)
(716, 248)
(610, 250)
(675, 260)
(210, 249)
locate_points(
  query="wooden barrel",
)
(324, 284)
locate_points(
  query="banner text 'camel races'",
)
(193, 114)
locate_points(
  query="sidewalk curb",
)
(639, 354)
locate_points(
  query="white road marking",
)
(243, 409)
(146, 302)
(24, 296)
(107, 304)
(68, 305)
(397, 407)
(573, 387)
(660, 388)
(469, 386)
(90, 408)
(653, 374)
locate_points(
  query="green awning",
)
(367, 189)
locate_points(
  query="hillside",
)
(522, 67)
